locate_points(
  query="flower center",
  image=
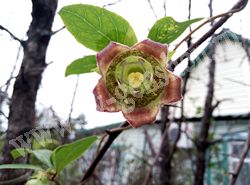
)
(135, 79)
(135, 76)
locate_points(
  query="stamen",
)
(135, 79)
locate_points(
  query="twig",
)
(100, 143)
(209, 20)
(189, 137)
(73, 100)
(118, 129)
(165, 8)
(210, 6)
(7, 83)
(3, 114)
(243, 155)
(152, 8)
(149, 140)
(55, 32)
(236, 8)
(12, 35)
(108, 132)
(111, 4)
(149, 172)
(111, 138)
(4, 93)
(17, 180)
(238, 82)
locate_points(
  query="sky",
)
(56, 90)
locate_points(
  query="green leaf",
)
(66, 154)
(95, 27)
(20, 152)
(43, 155)
(166, 30)
(170, 54)
(96, 70)
(35, 182)
(20, 166)
(81, 65)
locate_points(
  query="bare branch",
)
(240, 5)
(152, 8)
(11, 34)
(117, 129)
(111, 4)
(149, 140)
(218, 102)
(73, 100)
(210, 20)
(91, 169)
(205, 122)
(243, 155)
(55, 32)
(3, 114)
(237, 81)
(149, 173)
(165, 8)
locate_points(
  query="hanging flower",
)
(135, 81)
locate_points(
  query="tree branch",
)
(11, 34)
(243, 155)
(240, 5)
(55, 32)
(112, 136)
(149, 140)
(152, 8)
(205, 122)
(111, 4)
(149, 173)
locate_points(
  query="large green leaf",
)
(43, 155)
(20, 166)
(95, 27)
(65, 154)
(166, 30)
(82, 65)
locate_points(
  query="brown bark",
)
(22, 105)
(202, 140)
(165, 163)
(166, 175)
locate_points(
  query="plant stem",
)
(112, 136)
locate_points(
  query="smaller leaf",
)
(166, 30)
(20, 166)
(66, 154)
(170, 54)
(43, 155)
(20, 152)
(96, 70)
(35, 182)
(82, 65)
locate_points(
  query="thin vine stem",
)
(203, 24)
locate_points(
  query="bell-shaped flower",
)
(135, 81)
